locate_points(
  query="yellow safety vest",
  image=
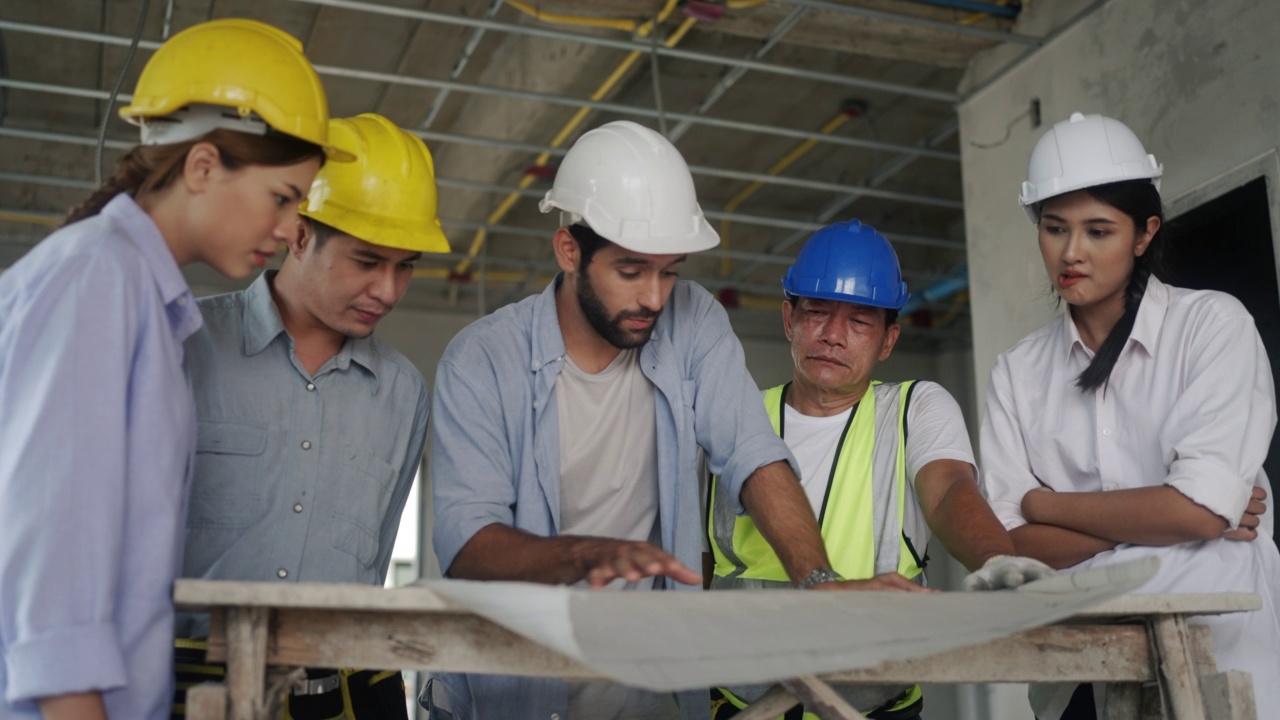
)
(861, 474)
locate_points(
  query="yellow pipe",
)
(30, 218)
(505, 206)
(978, 17)
(782, 164)
(580, 20)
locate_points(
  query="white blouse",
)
(1189, 404)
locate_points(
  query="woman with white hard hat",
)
(1136, 423)
(97, 425)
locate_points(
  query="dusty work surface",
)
(682, 640)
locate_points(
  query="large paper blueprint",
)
(685, 640)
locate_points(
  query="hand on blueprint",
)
(1247, 529)
(883, 581)
(607, 560)
(1004, 572)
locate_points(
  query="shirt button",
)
(297, 507)
(282, 573)
(306, 444)
(555, 716)
(1107, 433)
(311, 387)
(182, 300)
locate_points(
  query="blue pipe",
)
(938, 290)
(982, 7)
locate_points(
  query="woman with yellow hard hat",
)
(97, 427)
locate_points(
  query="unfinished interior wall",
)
(1195, 80)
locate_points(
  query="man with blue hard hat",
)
(882, 464)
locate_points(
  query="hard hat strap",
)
(197, 120)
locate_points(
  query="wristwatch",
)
(819, 576)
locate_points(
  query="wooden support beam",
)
(1177, 668)
(207, 701)
(821, 699)
(770, 705)
(246, 661)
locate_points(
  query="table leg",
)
(1229, 696)
(246, 662)
(821, 699)
(1123, 701)
(207, 701)
(1176, 667)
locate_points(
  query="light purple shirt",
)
(97, 433)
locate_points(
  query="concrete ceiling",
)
(873, 82)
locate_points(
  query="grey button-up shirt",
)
(297, 477)
(495, 448)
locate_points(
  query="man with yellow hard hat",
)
(311, 429)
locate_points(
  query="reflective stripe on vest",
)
(861, 517)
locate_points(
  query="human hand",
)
(1003, 572)
(606, 560)
(1248, 527)
(885, 581)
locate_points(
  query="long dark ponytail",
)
(1140, 200)
(147, 168)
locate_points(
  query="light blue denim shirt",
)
(96, 437)
(297, 477)
(495, 452)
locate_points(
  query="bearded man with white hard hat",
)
(567, 427)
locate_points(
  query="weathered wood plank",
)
(1177, 667)
(1079, 653)
(207, 701)
(246, 661)
(821, 699)
(770, 705)
(1229, 696)
(203, 594)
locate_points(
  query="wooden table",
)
(1128, 641)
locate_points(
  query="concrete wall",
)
(1195, 80)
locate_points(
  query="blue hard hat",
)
(848, 262)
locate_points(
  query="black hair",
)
(1140, 200)
(890, 314)
(320, 231)
(589, 243)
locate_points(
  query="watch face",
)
(819, 576)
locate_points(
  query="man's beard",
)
(611, 328)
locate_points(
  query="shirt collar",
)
(1146, 327)
(1150, 320)
(263, 324)
(184, 316)
(548, 340)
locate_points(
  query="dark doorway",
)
(1226, 244)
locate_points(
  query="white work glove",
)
(1004, 572)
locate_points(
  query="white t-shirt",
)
(609, 488)
(935, 431)
(1190, 404)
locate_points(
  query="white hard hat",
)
(1083, 151)
(631, 186)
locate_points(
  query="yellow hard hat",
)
(388, 195)
(243, 64)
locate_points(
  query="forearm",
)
(965, 524)
(499, 552)
(1055, 546)
(777, 505)
(1142, 516)
(78, 706)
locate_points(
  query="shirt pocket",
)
(229, 468)
(362, 504)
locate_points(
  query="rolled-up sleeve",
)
(1006, 468)
(1219, 432)
(730, 422)
(65, 356)
(472, 477)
